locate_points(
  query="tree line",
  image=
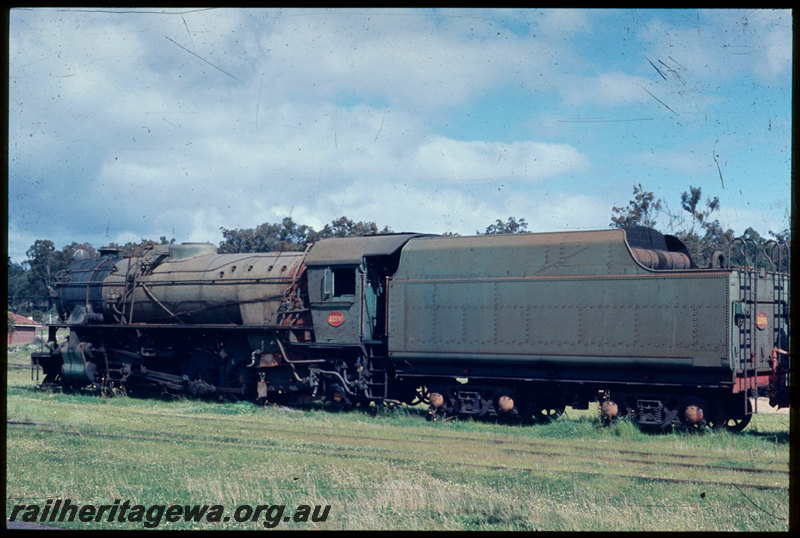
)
(696, 225)
(29, 281)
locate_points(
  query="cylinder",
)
(661, 259)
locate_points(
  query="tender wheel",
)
(737, 424)
(436, 415)
(421, 396)
(548, 413)
(732, 418)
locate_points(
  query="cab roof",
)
(351, 250)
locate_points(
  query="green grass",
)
(388, 468)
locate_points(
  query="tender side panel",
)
(666, 320)
(571, 298)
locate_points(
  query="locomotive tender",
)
(514, 325)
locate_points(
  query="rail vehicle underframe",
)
(220, 362)
(526, 393)
(230, 362)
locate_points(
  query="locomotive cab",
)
(348, 287)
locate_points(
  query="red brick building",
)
(24, 330)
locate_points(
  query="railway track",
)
(401, 456)
(561, 443)
(697, 461)
(549, 446)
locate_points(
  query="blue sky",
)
(131, 124)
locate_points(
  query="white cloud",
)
(777, 54)
(403, 58)
(607, 89)
(681, 162)
(720, 44)
(563, 23)
(740, 218)
(144, 123)
(343, 164)
(453, 160)
(465, 209)
(561, 211)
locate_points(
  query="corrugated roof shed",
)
(22, 321)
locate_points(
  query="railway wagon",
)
(518, 325)
(541, 321)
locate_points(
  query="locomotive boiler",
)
(518, 326)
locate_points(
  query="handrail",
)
(777, 261)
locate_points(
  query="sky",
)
(134, 124)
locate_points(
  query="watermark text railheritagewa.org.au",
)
(150, 517)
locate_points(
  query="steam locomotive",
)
(517, 326)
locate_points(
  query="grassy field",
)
(386, 469)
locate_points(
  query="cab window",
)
(344, 281)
